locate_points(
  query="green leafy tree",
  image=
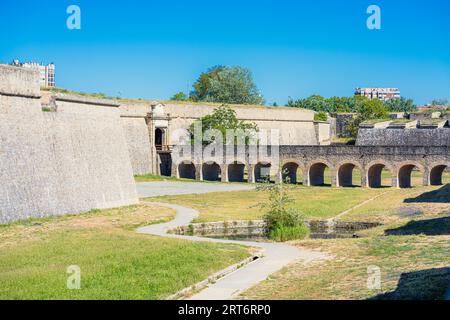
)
(400, 105)
(222, 119)
(366, 110)
(202, 85)
(227, 85)
(179, 96)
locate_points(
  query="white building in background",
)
(46, 72)
(383, 94)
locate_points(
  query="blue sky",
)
(152, 49)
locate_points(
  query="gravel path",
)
(170, 188)
(275, 256)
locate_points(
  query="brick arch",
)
(186, 169)
(374, 170)
(316, 171)
(344, 172)
(404, 172)
(436, 171)
(211, 171)
(236, 171)
(289, 170)
(261, 170)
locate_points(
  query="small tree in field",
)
(283, 222)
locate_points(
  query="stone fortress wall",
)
(64, 157)
(403, 137)
(141, 120)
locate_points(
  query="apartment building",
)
(382, 94)
(46, 72)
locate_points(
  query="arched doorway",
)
(186, 170)
(319, 174)
(236, 172)
(346, 176)
(159, 138)
(379, 176)
(211, 171)
(262, 172)
(291, 173)
(409, 175)
(437, 175)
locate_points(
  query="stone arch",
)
(211, 171)
(236, 171)
(262, 171)
(186, 170)
(374, 173)
(289, 172)
(436, 174)
(316, 173)
(404, 173)
(345, 173)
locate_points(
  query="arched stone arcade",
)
(291, 173)
(379, 175)
(186, 170)
(345, 175)
(316, 174)
(405, 175)
(262, 172)
(211, 171)
(436, 175)
(236, 172)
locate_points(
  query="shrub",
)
(321, 116)
(283, 222)
(283, 233)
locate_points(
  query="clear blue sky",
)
(152, 49)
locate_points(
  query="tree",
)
(227, 85)
(223, 118)
(202, 85)
(400, 105)
(366, 110)
(179, 96)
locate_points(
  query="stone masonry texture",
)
(68, 161)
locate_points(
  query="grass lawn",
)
(314, 202)
(115, 262)
(412, 252)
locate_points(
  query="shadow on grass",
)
(431, 227)
(441, 195)
(430, 284)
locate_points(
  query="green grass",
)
(115, 262)
(314, 202)
(411, 252)
(412, 267)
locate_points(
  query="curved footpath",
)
(275, 256)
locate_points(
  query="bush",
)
(283, 233)
(283, 223)
(321, 116)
